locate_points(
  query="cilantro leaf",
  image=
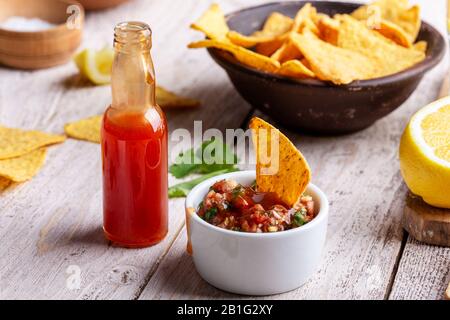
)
(216, 155)
(184, 164)
(299, 219)
(213, 155)
(210, 213)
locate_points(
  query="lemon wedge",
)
(425, 153)
(95, 65)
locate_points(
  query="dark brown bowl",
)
(316, 106)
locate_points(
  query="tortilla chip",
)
(305, 19)
(389, 57)
(248, 41)
(397, 12)
(269, 48)
(393, 32)
(276, 25)
(212, 23)
(170, 100)
(280, 167)
(328, 29)
(23, 168)
(310, 25)
(288, 51)
(85, 129)
(243, 55)
(295, 69)
(318, 16)
(408, 20)
(17, 142)
(4, 183)
(330, 63)
(421, 46)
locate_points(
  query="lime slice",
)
(95, 65)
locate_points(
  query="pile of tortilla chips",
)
(280, 167)
(22, 153)
(375, 40)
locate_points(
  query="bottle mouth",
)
(132, 32)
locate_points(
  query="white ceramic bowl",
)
(255, 263)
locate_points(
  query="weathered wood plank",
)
(54, 221)
(424, 272)
(360, 175)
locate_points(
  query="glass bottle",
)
(134, 145)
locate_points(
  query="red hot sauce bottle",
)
(134, 145)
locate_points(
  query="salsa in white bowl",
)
(254, 263)
(234, 206)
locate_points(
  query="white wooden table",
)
(50, 227)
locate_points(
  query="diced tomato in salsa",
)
(232, 206)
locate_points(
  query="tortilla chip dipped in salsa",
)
(280, 166)
(276, 202)
(375, 40)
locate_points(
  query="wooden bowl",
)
(100, 4)
(316, 106)
(41, 49)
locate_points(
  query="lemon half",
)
(425, 153)
(95, 65)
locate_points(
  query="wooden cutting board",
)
(426, 223)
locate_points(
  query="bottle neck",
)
(133, 75)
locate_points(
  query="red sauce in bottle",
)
(135, 178)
